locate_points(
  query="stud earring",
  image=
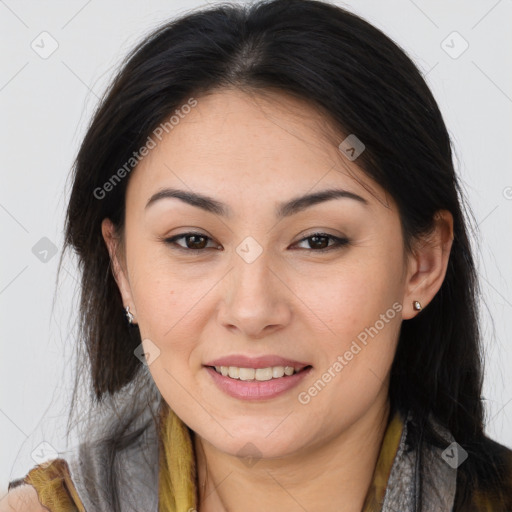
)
(129, 316)
(416, 305)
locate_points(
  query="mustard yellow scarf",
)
(177, 471)
(177, 491)
(177, 487)
(178, 477)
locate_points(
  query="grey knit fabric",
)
(138, 470)
(439, 480)
(135, 469)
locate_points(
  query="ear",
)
(117, 263)
(428, 263)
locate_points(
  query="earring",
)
(128, 314)
(416, 305)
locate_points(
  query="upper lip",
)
(242, 361)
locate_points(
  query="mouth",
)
(259, 374)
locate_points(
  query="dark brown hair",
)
(370, 87)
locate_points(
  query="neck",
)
(332, 477)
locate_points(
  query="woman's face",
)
(253, 281)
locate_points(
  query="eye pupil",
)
(317, 242)
(320, 245)
(194, 245)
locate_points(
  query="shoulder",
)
(46, 487)
(22, 498)
(485, 483)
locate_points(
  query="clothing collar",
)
(158, 471)
(397, 483)
(409, 477)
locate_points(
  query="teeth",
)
(246, 373)
(261, 374)
(277, 371)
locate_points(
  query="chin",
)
(257, 442)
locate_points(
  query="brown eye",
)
(319, 242)
(193, 241)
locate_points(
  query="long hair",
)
(366, 85)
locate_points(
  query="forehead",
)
(256, 146)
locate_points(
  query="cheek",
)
(360, 313)
(165, 294)
(170, 313)
(355, 354)
(354, 294)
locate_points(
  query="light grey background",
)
(46, 104)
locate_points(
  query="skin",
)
(251, 152)
(22, 499)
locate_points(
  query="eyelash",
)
(339, 242)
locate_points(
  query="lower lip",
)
(256, 390)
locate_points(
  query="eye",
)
(319, 242)
(193, 241)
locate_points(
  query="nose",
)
(255, 300)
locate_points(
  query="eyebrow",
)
(284, 209)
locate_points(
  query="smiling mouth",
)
(258, 374)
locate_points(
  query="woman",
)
(267, 193)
